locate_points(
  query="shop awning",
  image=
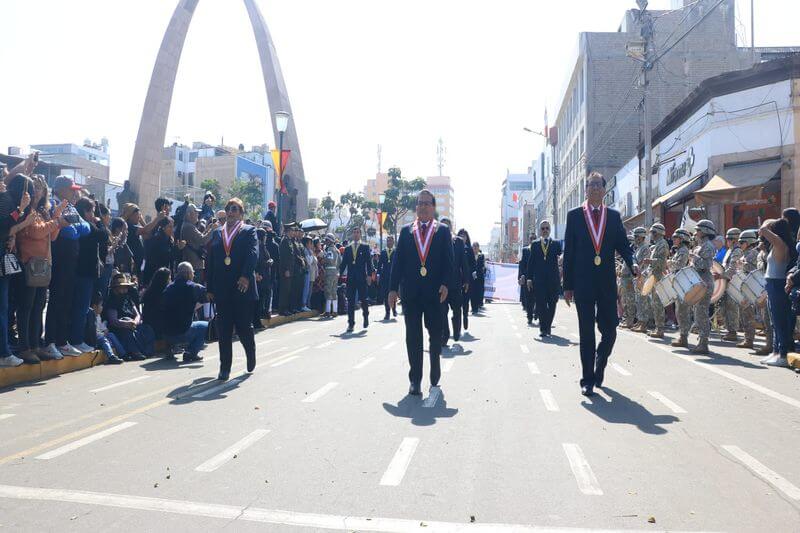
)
(679, 192)
(738, 183)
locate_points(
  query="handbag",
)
(10, 265)
(38, 271)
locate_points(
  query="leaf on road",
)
(652, 519)
(471, 519)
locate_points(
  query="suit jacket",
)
(222, 278)
(461, 272)
(522, 266)
(358, 267)
(480, 267)
(285, 257)
(591, 282)
(543, 271)
(385, 267)
(406, 277)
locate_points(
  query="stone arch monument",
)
(146, 163)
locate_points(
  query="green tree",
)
(251, 194)
(326, 208)
(360, 210)
(400, 198)
(212, 186)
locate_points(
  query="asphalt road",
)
(323, 436)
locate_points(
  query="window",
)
(192, 157)
(191, 178)
(180, 155)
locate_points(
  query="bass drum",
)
(754, 288)
(720, 286)
(735, 288)
(648, 285)
(665, 291)
(688, 285)
(717, 268)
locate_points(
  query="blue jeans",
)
(109, 343)
(5, 349)
(195, 337)
(782, 318)
(82, 297)
(306, 289)
(140, 340)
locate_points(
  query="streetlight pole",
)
(281, 124)
(381, 198)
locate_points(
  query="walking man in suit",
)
(594, 232)
(384, 271)
(543, 274)
(455, 292)
(527, 291)
(357, 261)
(422, 269)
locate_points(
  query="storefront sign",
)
(677, 172)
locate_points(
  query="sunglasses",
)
(232, 209)
(423, 203)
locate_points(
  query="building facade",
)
(516, 190)
(88, 163)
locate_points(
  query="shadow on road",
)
(346, 335)
(168, 363)
(623, 410)
(454, 350)
(412, 407)
(468, 337)
(185, 394)
(555, 339)
(718, 359)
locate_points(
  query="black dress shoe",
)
(394, 312)
(251, 363)
(223, 376)
(350, 329)
(189, 358)
(414, 389)
(587, 390)
(530, 321)
(366, 322)
(386, 318)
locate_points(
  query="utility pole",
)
(645, 48)
(440, 152)
(752, 32)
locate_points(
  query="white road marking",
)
(262, 343)
(514, 327)
(390, 345)
(674, 407)
(84, 441)
(533, 367)
(433, 398)
(228, 454)
(773, 478)
(299, 331)
(447, 365)
(519, 335)
(324, 344)
(325, 389)
(402, 458)
(587, 482)
(276, 350)
(291, 356)
(364, 363)
(246, 513)
(724, 373)
(119, 384)
(217, 388)
(549, 400)
(575, 337)
(524, 348)
(619, 368)
(6, 416)
(284, 361)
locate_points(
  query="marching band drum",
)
(666, 291)
(688, 285)
(735, 288)
(754, 288)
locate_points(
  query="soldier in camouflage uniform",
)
(641, 251)
(702, 256)
(748, 241)
(659, 253)
(680, 259)
(627, 292)
(761, 264)
(729, 308)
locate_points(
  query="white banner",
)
(501, 281)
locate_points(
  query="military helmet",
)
(639, 232)
(750, 236)
(683, 234)
(631, 238)
(733, 233)
(658, 228)
(706, 227)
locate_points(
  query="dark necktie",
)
(424, 230)
(596, 217)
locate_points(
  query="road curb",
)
(49, 369)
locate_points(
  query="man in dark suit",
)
(477, 287)
(384, 272)
(527, 292)
(357, 261)
(285, 271)
(543, 274)
(272, 218)
(594, 232)
(422, 270)
(299, 269)
(459, 279)
(231, 264)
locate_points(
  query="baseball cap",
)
(64, 182)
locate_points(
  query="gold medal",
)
(597, 260)
(423, 271)
(227, 260)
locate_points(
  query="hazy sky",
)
(359, 73)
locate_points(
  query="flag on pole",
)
(382, 218)
(280, 168)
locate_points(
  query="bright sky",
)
(359, 73)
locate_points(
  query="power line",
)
(696, 24)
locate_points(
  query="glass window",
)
(192, 157)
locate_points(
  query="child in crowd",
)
(97, 333)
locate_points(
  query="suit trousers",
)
(296, 296)
(476, 293)
(414, 313)
(546, 308)
(284, 294)
(385, 295)
(530, 302)
(603, 312)
(235, 312)
(454, 302)
(356, 288)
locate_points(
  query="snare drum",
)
(754, 288)
(649, 285)
(735, 288)
(688, 285)
(665, 291)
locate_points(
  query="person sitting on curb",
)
(180, 299)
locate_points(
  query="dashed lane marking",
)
(231, 452)
(6, 416)
(322, 391)
(519, 335)
(299, 331)
(291, 356)
(324, 345)
(771, 477)
(524, 348)
(364, 363)
(262, 343)
(533, 367)
(218, 388)
(84, 441)
(402, 458)
(119, 384)
(620, 369)
(390, 345)
(587, 482)
(549, 400)
(674, 407)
